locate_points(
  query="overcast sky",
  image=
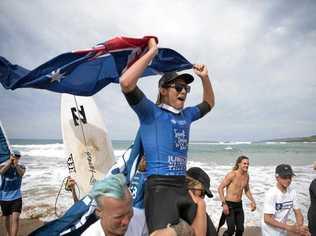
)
(261, 56)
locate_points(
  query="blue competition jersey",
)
(10, 185)
(165, 137)
(137, 188)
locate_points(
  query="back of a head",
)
(112, 186)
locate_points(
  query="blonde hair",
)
(239, 160)
(193, 183)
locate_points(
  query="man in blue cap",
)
(279, 201)
(10, 192)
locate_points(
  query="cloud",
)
(261, 56)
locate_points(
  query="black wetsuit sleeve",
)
(204, 108)
(133, 97)
(312, 189)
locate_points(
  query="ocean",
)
(45, 161)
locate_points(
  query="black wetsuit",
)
(211, 230)
(312, 209)
(175, 202)
(235, 219)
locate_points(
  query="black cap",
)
(200, 175)
(171, 76)
(283, 170)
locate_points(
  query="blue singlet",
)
(10, 186)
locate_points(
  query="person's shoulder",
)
(272, 191)
(231, 174)
(291, 190)
(93, 229)
(191, 109)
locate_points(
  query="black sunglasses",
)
(179, 87)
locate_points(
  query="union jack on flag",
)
(85, 72)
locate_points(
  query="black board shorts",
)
(8, 207)
(166, 201)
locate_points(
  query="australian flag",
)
(85, 72)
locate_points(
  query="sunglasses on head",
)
(179, 87)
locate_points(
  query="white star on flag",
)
(56, 76)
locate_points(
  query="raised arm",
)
(19, 168)
(208, 94)
(4, 167)
(130, 77)
(199, 223)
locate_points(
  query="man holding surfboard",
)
(164, 129)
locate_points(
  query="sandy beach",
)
(26, 226)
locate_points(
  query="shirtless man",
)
(235, 182)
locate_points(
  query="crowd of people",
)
(166, 198)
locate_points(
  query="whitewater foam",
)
(46, 169)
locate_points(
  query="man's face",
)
(176, 93)
(244, 165)
(284, 181)
(116, 214)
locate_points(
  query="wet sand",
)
(26, 226)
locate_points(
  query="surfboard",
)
(87, 144)
(5, 149)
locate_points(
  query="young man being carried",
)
(235, 182)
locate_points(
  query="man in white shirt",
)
(118, 217)
(114, 208)
(278, 204)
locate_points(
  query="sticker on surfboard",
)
(87, 144)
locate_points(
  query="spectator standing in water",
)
(235, 182)
(10, 192)
(164, 129)
(279, 201)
